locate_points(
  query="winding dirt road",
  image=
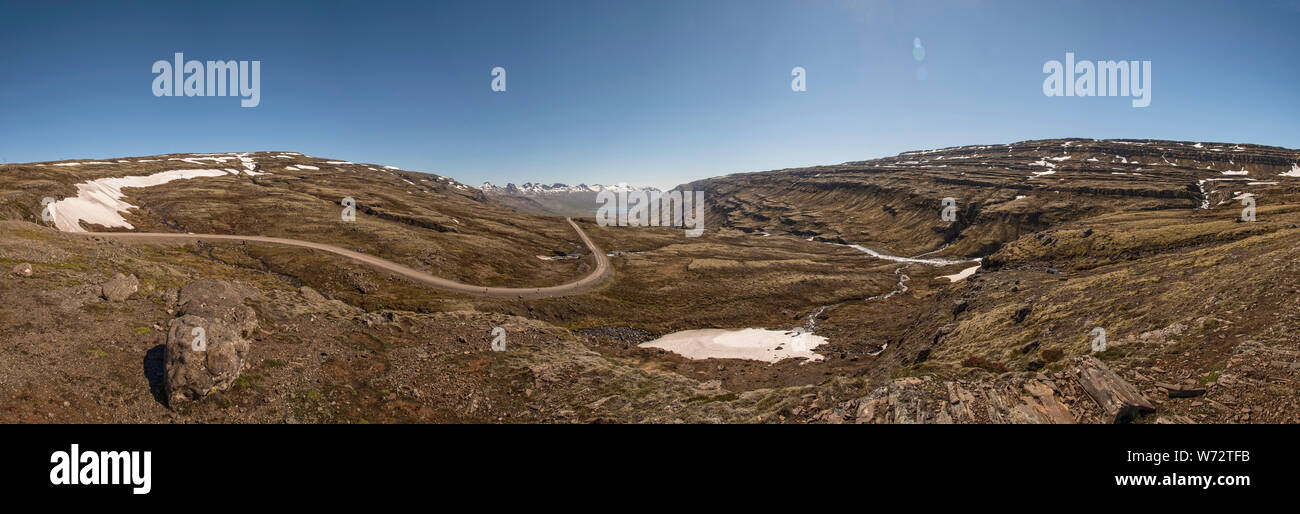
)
(602, 271)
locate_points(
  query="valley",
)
(988, 318)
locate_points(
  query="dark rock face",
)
(1022, 312)
(206, 346)
(959, 308)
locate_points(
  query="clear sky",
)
(646, 92)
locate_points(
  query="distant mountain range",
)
(552, 199)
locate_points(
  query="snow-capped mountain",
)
(553, 199)
(539, 188)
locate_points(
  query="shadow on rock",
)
(155, 373)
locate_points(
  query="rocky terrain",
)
(1144, 240)
(1137, 245)
(424, 221)
(1001, 192)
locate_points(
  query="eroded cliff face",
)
(1001, 192)
(1174, 263)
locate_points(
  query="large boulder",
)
(220, 301)
(119, 287)
(193, 369)
(196, 368)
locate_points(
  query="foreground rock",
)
(201, 357)
(220, 301)
(1090, 393)
(23, 270)
(1020, 400)
(206, 346)
(1118, 398)
(120, 287)
(310, 294)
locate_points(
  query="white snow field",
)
(747, 343)
(100, 202)
(962, 275)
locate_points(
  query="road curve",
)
(602, 271)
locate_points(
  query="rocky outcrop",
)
(415, 221)
(310, 294)
(207, 345)
(1003, 192)
(1118, 399)
(1025, 399)
(1090, 393)
(1022, 312)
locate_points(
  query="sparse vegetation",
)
(1179, 291)
(984, 364)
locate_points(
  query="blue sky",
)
(646, 92)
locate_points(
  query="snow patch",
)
(99, 201)
(913, 260)
(747, 343)
(962, 275)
